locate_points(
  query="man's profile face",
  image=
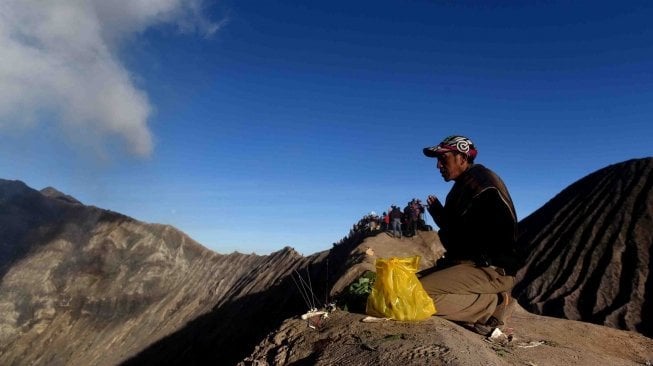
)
(451, 165)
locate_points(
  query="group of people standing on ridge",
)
(406, 222)
(395, 222)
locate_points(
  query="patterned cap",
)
(454, 143)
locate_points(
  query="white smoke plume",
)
(58, 61)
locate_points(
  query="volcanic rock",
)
(590, 250)
(82, 285)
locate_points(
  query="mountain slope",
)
(590, 250)
(81, 285)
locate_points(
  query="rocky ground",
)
(344, 339)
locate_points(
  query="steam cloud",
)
(59, 58)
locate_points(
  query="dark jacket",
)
(478, 221)
(396, 214)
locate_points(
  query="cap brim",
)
(434, 151)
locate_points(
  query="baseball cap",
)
(455, 143)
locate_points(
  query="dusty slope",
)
(345, 340)
(81, 285)
(591, 250)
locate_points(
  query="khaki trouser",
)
(466, 293)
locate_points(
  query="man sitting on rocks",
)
(478, 227)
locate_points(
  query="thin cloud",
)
(59, 62)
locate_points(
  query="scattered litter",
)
(530, 344)
(497, 333)
(497, 336)
(315, 318)
(330, 307)
(312, 313)
(373, 319)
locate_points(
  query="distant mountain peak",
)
(52, 192)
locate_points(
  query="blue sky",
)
(254, 125)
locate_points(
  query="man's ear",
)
(462, 159)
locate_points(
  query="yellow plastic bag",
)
(397, 293)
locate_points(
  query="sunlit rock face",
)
(82, 285)
(589, 250)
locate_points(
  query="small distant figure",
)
(412, 217)
(396, 216)
(386, 221)
(374, 224)
(418, 207)
(408, 220)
